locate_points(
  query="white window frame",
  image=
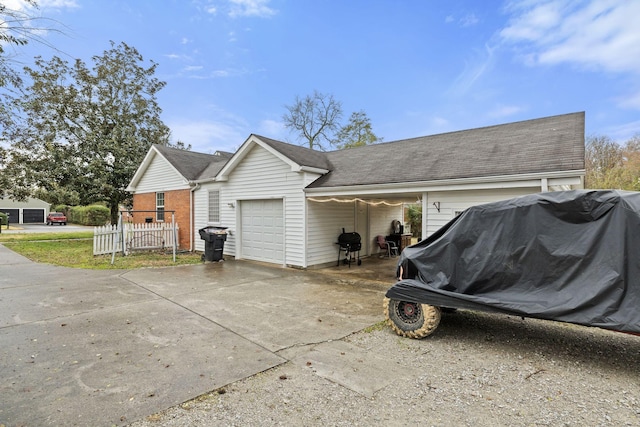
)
(160, 206)
(213, 213)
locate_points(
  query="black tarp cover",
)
(571, 256)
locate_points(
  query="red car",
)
(56, 218)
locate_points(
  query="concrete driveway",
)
(102, 348)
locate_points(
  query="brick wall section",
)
(177, 200)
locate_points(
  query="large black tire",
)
(411, 320)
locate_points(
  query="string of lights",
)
(368, 202)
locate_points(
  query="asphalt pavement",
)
(102, 348)
(43, 228)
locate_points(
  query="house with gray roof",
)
(287, 204)
(162, 186)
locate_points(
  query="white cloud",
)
(630, 101)
(43, 4)
(226, 132)
(257, 8)
(272, 129)
(474, 70)
(190, 68)
(439, 122)
(595, 34)
(623, 132)
(469, 20)
(505, 111)
(58, 4)
(29, 24)
(208, 136)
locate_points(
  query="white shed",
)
(29, 211)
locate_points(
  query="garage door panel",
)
(14, 215)
(262, 230)
(33, 216)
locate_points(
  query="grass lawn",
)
(76, 250)
(19, 237)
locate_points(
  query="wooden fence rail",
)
(135, 237)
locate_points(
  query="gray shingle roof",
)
(301, 155)
(549, 144)
(541, 145)
(193, 165)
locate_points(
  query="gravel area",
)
(477, 369)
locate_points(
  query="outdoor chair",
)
(388, 246)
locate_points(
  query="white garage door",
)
(262, 230)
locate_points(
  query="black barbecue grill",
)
(350, 244)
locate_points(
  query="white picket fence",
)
(134, 236)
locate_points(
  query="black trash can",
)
(214, 238)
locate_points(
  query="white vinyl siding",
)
(160, 176)
(457, 201)
(326, 221)
(381, 218)
(260, 176)
(201, 214)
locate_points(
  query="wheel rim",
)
(409, 312)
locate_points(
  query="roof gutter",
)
(203, 181)
(310, 169)
(498, 181)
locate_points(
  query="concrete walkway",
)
(102, 348)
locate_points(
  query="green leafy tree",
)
(414, 218)
(87, 130)
(610, 165)
(356, 133)
(602, 155)
(57, 195)
(631, 164)
(315, 119)
(12, 34)
(20, 26)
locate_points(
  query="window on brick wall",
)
(159, 206)
(214, 206)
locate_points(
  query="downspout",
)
(544, 185)
(425, 217)
(191, 214)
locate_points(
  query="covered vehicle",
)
(571, 256)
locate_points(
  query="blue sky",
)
(415, 67)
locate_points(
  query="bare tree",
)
(602, 156)
(610, 165)
(315, 118)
